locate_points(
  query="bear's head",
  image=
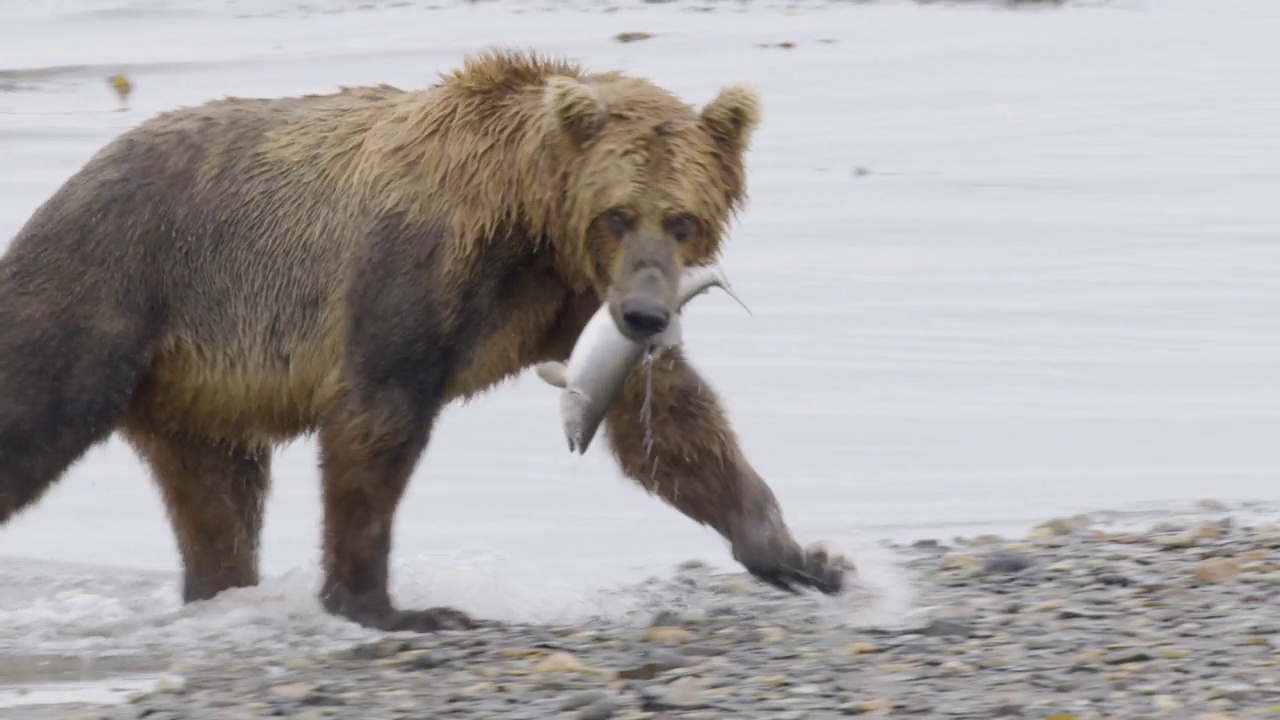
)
(649, 186)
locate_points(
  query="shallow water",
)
(1001, 265)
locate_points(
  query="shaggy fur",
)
(227, 277)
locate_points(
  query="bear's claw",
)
(374, 611)
(827, 579)
(793, 569)
(429, 620)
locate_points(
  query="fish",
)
(602, 357)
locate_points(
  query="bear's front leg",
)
(369, 445)
(669, 433)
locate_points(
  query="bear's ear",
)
(732, 117)
(575, 107)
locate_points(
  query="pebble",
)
(1007, 563)
(601, 709)
(1083, 622)
(1215, 570)
(667, 634)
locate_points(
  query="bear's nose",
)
(645, 316)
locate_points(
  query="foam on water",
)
(79, 611)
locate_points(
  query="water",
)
(1001, 266)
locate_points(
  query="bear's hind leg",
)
(215, 496)
(367, 457)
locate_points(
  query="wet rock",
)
(1115, 578)
(1058, 527)
(695, 651)
(658, 663)
(681, 694)
(581, 699)
(946, 627)
(1069, 613)
(961, 560)
(864, 648)
(476, 690)
(292, 691)
(1235, 692)
(562, 662)
(1129, 655)
(1216, 570)
(666, 634)
(422, 660)
(1005, 563)
(602, 709)
(666, 618)
(772, 635)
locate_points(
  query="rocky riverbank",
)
(1074, 621)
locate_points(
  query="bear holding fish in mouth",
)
(227, 277)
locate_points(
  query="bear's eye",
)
(618, 222)
(682, 227)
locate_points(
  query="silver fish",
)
(602, 357)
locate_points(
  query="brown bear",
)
(226, 277)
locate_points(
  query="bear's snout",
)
(645, 316)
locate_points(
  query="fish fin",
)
(553, 373)
(723, 282)
(734, 295)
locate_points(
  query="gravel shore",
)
(1074, 621)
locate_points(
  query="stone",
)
(561, 662)
(1114, 578)
(658, 663)
(682, 693)
(878, 705)
(1046, 605)
(943, 627)
(1006, 563)
(580, 700)
(771, 635)
(735, 586)
(170, 685)
(422, 660)
(1235, 692)
(665, 618)
(1192, 537)
(1216, 570)
(667, 634)
(292, 691)
(1129, 655)
(517, 653)
(1058, 527)
(960, 560)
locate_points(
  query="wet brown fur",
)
(226, 277)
